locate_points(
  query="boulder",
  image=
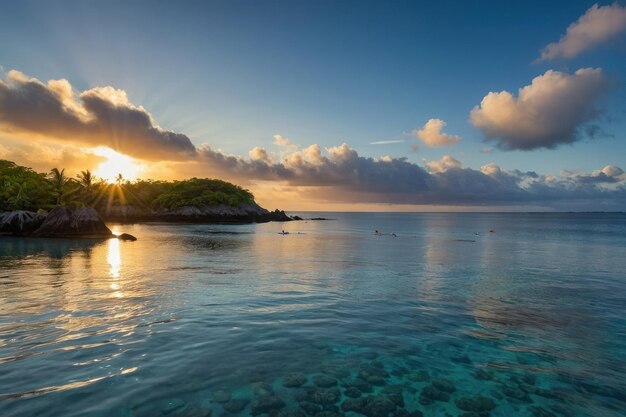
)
(126, 236)
(73, 222)
(20, 222)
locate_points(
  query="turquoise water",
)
(446, 319)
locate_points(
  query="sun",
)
(116, 164)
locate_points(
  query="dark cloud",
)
(98, 117)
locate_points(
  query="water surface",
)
(445, 318)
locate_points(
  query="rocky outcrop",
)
(20, 222)
(73, 222)
(249, 213)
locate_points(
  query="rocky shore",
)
(86, 222)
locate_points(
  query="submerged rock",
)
(371, 406)
(476, 404)
(430, 394)
(265, 405)
(324, 381)
(444, 385)
(20, 222)
(172, 404)
(235, 405)
(419, 376)
(221, 396)
(196, 412)
(263, 390)
(294, 380)
(73, 222)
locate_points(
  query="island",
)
(56, 205)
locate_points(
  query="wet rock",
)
(483, 374)
(430, 394)
(65, 221)
(541, 412)
(354, 404)
(267, 404)
(419, 376)
(324, 381)
(294, 380)
(172, 404)
(221, 396)
(476, 404)
(352, 392)
(127, 237)
(20, 222)
(444, 385)
(516, 393)
(263, 390)
(235, 405)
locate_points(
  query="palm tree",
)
(58, 180)
(118, 179)
(86, 179)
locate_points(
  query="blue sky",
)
(233, 74)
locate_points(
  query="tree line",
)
(21, 188)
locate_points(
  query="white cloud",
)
(599, 24)
(260, 154)
(445, 163)
(387, 142)
(545, 114)
(432, 135)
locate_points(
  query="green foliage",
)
(201, 192)
(22, 188)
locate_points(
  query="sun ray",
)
(117, 164)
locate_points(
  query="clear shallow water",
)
(530, 317)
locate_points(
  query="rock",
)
(221, 396)
(235, 405)
(516, 393)
(172, 404)
(324, 381)
(288, 412)
(321, 396)
(126, 236)
(540, 412)
(406, 413)
(476, 404)
(360, 384)
(294, 380)
(310, 408)
(419, 376)
(264, 405)
(20, 222)
(371, 406)
(444, 385)
(196, 412)
(73, 222)
(430, 394)
(483, 374)
(297, 218)
(263, 390)
(328, 413)
(352, 392)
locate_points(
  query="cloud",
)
(340, 175)
(599, 24)
(547, 113)
(445, 163)
(432, 135)
(101, 116)
(486, 149)
(260, 154)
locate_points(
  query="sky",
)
(327, 105)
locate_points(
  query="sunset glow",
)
(116, 164)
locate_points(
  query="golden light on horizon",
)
(115, 165)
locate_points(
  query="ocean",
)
(458, 314)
